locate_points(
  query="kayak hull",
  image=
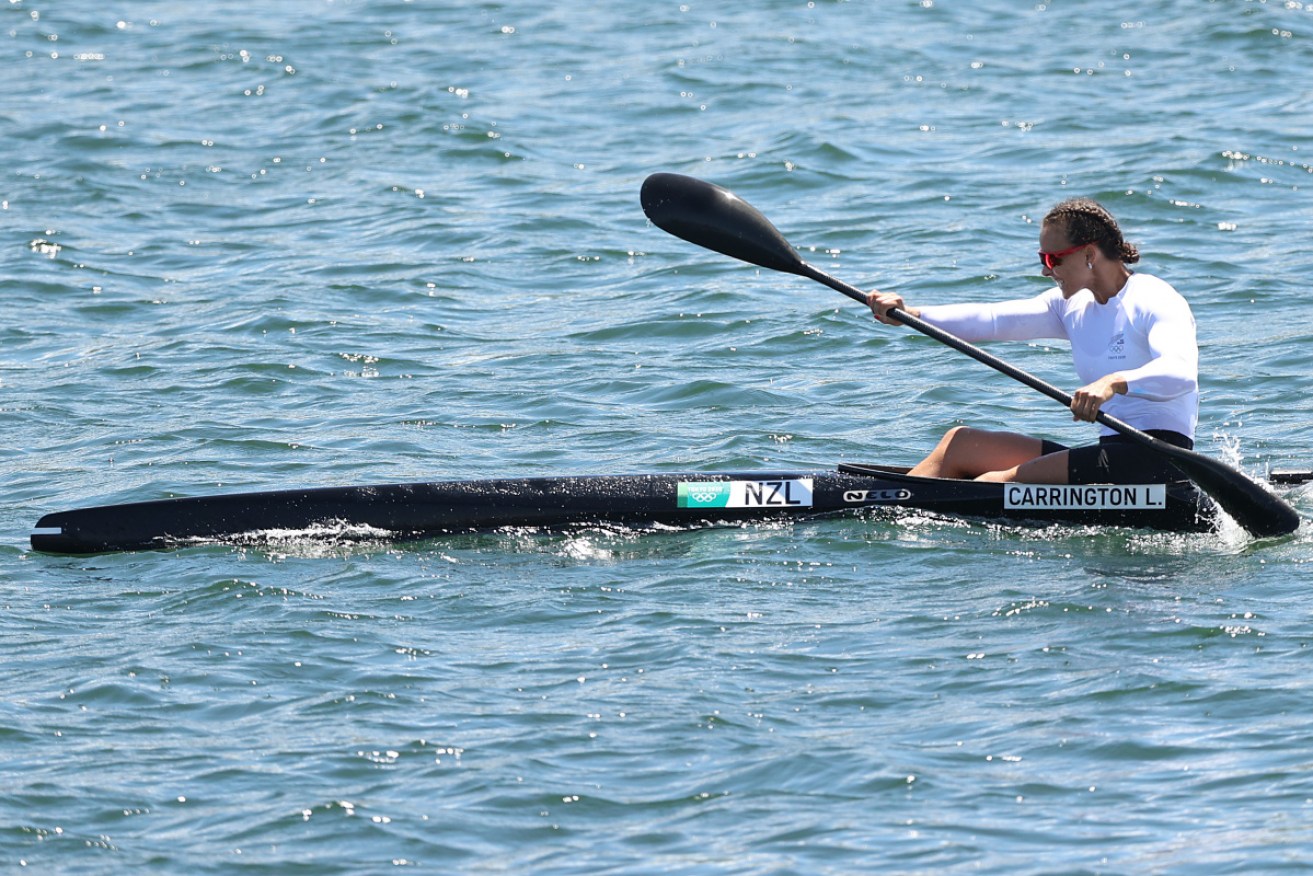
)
(428, 509)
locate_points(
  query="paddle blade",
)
(717, 219)
(1261, 513)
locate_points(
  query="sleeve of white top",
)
(1174, 369)
(1021, 320)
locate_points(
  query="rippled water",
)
(318, 243)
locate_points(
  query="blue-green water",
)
(250, 246)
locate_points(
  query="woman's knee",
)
(958, 434)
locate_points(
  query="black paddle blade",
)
(717, 219)
(1261, 513)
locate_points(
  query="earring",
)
(1090, 265)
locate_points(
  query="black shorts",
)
(1117, 459)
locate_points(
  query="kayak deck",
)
(428, 509)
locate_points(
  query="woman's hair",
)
(1087, 221)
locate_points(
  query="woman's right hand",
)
(881, 302)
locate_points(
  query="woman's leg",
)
(1051, 468)
(969, 453)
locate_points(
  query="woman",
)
(1133, 341)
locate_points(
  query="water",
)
(326, 243)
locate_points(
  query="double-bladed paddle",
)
(716, 218)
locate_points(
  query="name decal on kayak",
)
(781, 493)
(1095, 497)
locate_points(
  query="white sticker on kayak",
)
(782, 493)
(1094, 497)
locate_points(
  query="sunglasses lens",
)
(1052, 260)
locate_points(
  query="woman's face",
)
(1067, 265)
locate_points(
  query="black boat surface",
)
(396, 512)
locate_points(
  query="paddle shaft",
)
(971, 350)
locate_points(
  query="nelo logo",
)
(876, 497)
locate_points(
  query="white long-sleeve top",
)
(1146, 332)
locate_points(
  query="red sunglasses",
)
(1051, 260)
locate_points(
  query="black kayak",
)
(396, 512)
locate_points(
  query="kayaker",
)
(1133, 342)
